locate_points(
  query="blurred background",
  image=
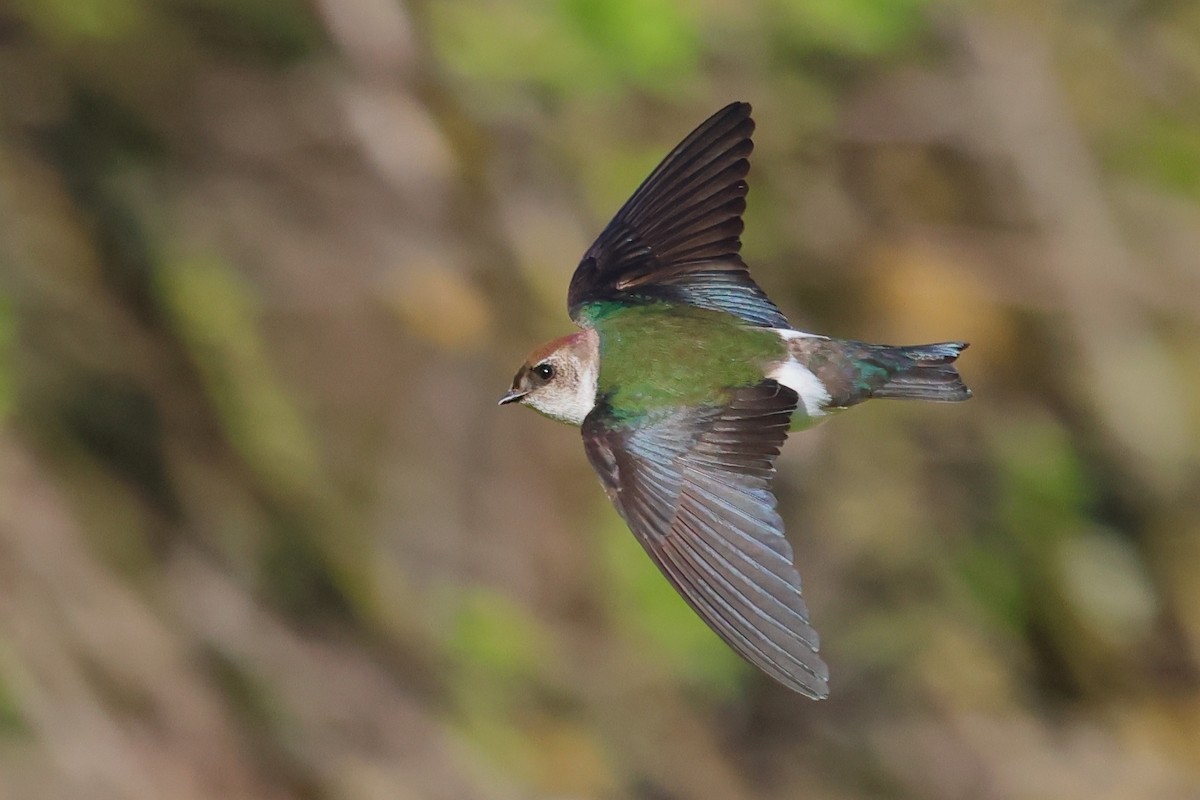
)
(267, 266)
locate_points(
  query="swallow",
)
(685, 380)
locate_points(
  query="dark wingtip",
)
(677, 239)
(735, 115)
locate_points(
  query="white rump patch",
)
(789, 334)
(800, 379)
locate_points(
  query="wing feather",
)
(678, 238)
(694, 487)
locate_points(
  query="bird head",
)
(559, 378)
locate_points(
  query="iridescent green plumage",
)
(686, 380)
(660, 356)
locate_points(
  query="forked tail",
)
(923, 372)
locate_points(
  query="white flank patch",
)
(800, 379)
(790, 334)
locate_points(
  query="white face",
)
(561, 384)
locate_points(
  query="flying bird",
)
(685, 379)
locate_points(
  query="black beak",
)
(511, 396)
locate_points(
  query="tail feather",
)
(926, 372)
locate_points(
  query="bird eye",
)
(544, 371)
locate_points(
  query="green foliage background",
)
(266, 265)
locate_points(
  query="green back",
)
(660, 356)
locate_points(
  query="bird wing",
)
(677, 238)
(694, 487)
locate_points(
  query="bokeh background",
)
(267, 265)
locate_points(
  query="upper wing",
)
(695, 489)
(677, 239)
